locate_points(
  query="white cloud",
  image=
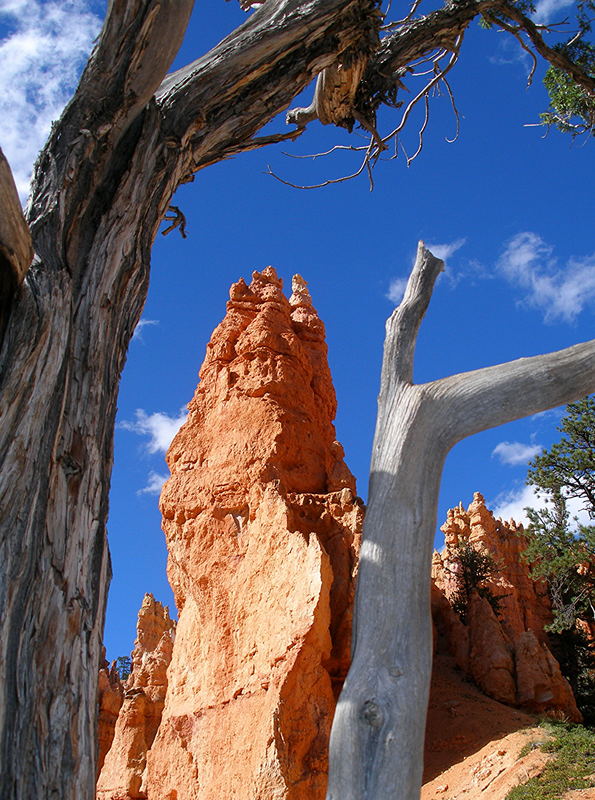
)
(155, 483)
(159, 427)
(512, 504)
(514, 453)
(41, 58)
(397, 286)
(445, 251)
(527, 263)
(554, 413)
(396, 290)
(143, 323)
(546, 10)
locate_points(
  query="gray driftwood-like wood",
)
(103, 182)
(378, 733)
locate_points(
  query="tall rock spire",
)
(122, 775)
(262, 528)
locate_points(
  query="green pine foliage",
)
(570, 463)
(572, 767)
(562, 552)
(123, 667)
(474, 568)
(572, 109)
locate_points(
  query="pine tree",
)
(562, 551)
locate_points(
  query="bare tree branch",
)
(403, 324)
(526, 386)
(266, 77)
(329, 181)
(437, 77)
(555, 57)
(177, 219)
(455, 111)
(412, 158)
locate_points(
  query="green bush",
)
(572, 768)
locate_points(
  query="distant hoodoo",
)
(123, 769)
(502, 645)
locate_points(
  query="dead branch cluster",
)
(427, 47)
(435, 68)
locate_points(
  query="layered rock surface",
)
(122, 775)
(110, 694)
(506, 653)
(262, 527)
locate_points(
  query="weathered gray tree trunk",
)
(378, 732)
(103, 182)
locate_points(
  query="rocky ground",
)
(474, 743)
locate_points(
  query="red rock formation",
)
(506, 653)
(122, 773)
(110, 694)
(262, 527)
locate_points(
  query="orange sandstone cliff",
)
(110, 694)
(262, 527)
(123, 769)
(506, 653)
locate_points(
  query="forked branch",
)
(525, 386)
(377, 740)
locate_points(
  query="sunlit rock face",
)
(110, 694)
(505, 652)
(123, 772)
(263, 528)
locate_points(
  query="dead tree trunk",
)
(378, 733)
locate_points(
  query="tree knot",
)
(372, 714)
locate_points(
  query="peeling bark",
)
(378, 732)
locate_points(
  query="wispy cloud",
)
(142, 324)
(515, 453)
(549, 414)
(397, 286)
(396, 290)
(159, 427)
(41, 57)
(445, 251)
(561, 294)
(546, 10)
(512, 504)
(155, 483)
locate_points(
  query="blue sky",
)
(511, 210)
